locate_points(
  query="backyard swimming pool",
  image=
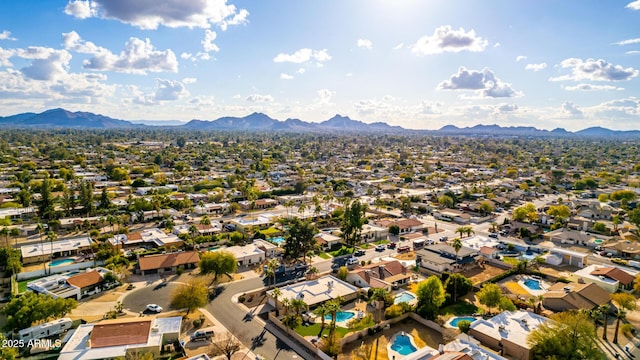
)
(455, 320)
(406, 297)
(59, 262)
(402, 344)
(532, 284)
(341, 316)
(277, 240)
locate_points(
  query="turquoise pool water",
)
(341, 316)
(58, 262)
(402, 344)
(533, 284)
(404, 297)
(454, 321)
(278, 240)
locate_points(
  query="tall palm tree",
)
(5, 232)
(286, 302)
(604, 309)
(378, 297)
(40, 227)
(276, 293)
(272, 265)
(321, 311)
(15, 232)
(269, 272)
(625, 302)
(461, 230)
(299, 305)
(333, 307)
(51, 236)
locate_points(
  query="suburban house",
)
(406, 225)
(201, 229)
(70, 285)
(624, 248)
(327, 241)
(440, 258)
(122, 338)
(259, 204)
(609, 278)
(247, 255)
(163, 263)
(270, 250)
(154, 238)
(384, 274)
(254, 221)
(574, 296)
(452, 215)
(373, 233)
(315, 292)
(37, 253)
(508, 331)
(212, 209)
(568, 236)
(558, 256)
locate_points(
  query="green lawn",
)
(342, 251)
(510, 260)
(314, 329)
(381, 242)
(22, 286)
(325, 256)
(460, 308)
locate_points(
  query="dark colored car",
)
(359, 252)
(391, 245)
(402, 249)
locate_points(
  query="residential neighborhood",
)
(232, 246)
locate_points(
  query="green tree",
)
(458, 285)
(559, 212)
(46, 203)
(446, 201)
(191, 295)
(352, 221)
(276, 293)
(599, 227)
(431, 296)
(394, 230)
(343, 271)
(321, 311)
(624, 302)
(300, 238)
(571, 336)
(486, 207)
(490, 295)
(379, 299)
(218, 263)
(23, 311)
(604, 310)
(525, 212)
(7, 352)
(506, 304)
(634, 218)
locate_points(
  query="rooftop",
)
(168, 260)
(47, 248)
(514, 326)
(317, 291)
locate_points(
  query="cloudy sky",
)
(415, 63)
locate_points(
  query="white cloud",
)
(634, 5)
(628, 42)
(237, 19)
(536, 67)
(595, 70)
(304, 55)
(591, 87)
(207, 43)
(81, 9)
(47, 64)
(286, 76)
(325, 96)
(497, 45)
(398, 47)
(72, 41)
(5, 55)
(148, 15)
(168, 90)
(521, 57)
(6, 35)
(484, 82)
(189, 80)
(259, 98)
(301, 71)
(365, 43)
(633, 52)
(504, 108)
(137, 57)
(446, 39)
(571, 110)
(186, 55)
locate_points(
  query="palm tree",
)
(269, 272)
(604, 309)
(205, 220)
(532, 302)
(378, 296)
(321, 311)
(40, 227)
(286, 302)
(469, 230)
(272, 265)
(51, 236)
(312, 271)
(333, 307)
(276, 293)
(5, 232)
(494, 226)
(626, 302)
(193, 231)
(299, 305)
(15, 232)
(461, 230)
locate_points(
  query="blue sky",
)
(414, 63)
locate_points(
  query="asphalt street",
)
(160, 294)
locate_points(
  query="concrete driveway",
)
(137, 300)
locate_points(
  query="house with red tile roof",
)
(384, 274)
(163, 263)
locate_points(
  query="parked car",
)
(493, 235)
(443, 238)
(359, 252)
(202, 334)
(391, 245)
(402, 249)
(380, 247)
(154, 307)
(352, 261)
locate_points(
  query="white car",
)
(154, 307)
(380, 247)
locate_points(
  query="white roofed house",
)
(247, 255)
(327, 241)
(34, 253)
(508, 331)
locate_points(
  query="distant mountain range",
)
(61, 118)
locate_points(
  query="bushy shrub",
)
(464, 326)
(628, 330)
(241, 298)
(393, 311)
(197, 323)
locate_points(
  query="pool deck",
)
(394, 355)
(543, 284)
